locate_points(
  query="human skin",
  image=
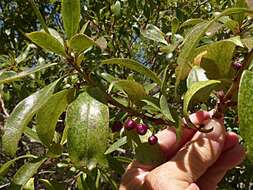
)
(197, 161)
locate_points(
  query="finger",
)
(215, 173)
(193, 186)
(230, 141)
(191, 161)
(169, 143)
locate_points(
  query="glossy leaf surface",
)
(154, 33)
(245, 110)
(47, 42)
(22, 114)
(88, 122)
(133, 65)
(70, 16)
(26, 171)
(48, 115)
(81, 42)
(134, 90)
(4, 167)
(194, 92)
(122, 141)
(27, 72)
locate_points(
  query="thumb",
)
(191, 161)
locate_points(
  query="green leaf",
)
(185, 57)
(47, 42)
(4, 168)
(192, 39)
(81, 42)
(25, 172)
(153, 33)
(149, 154)
(174, 25)
(133, 65)
(120, 142)
(219, 53)
(248, 42)
(22, 74)
(88, 122)
(134, 90)
(165, 108)
(47, 184)
(70, 16)
(22, 114)
(29, 185)
(48, 115)
(116, 9)
(199, 90)
(191, 22)
(31, 134)
(245, 109)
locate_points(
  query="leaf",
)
(88, 122)
(31, 134)
(245, 109)
(47, 184)
(185, 57)
(192, 39)
(29, 185)
(191, 22)
(22, 114)
(47, 42)
(81, 42)
(153, 33)
(4, 167)
(120, 142)
(48, 115)
(229, 23)
(134, 90)
(131, 64)
(26, 171)
(192, 93)
(219, 53)
(248, 42)
(56, 35)
(165, 108)
(22, 57)
(174, 25)
(25, 73)
(116, 9)
(149, 154)
(197, 74)
(70, 16)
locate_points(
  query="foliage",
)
(71, 69)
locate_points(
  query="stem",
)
(39, 16)
(115, 103)
(236, 81)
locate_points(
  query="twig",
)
(236, 81)
(2, 107)
(115, 103)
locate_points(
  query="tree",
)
(100, 69)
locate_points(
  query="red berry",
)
(117, 125)
(152, 140)
(237, 66)
(130, 124)
(141, 129)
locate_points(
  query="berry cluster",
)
(140, 128)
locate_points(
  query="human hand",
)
(197, 161)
